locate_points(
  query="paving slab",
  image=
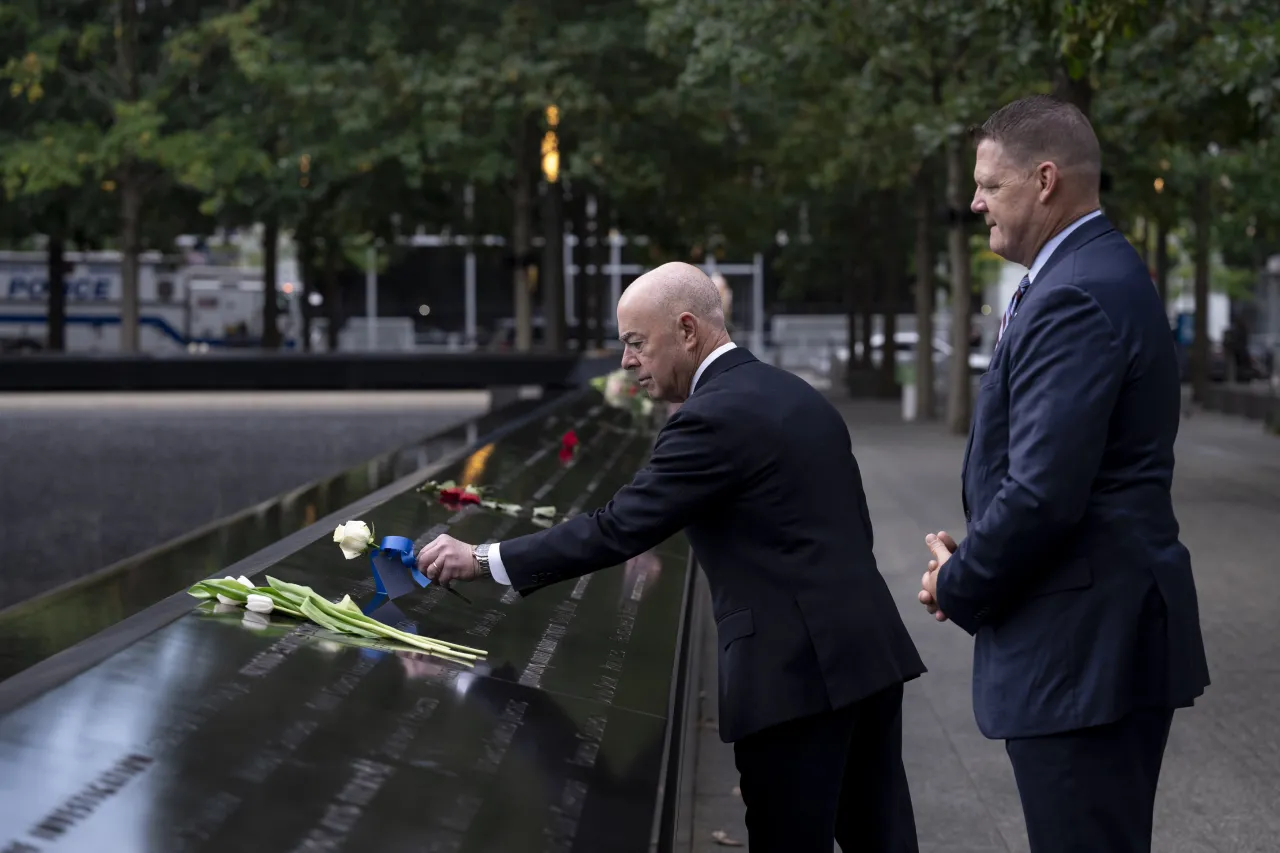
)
(1221, 775)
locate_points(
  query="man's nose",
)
(978, 205)
(628, 359)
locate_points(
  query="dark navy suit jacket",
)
(758, 469)
(1071, 576)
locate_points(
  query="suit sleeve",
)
(1065, 373)
(688, 470)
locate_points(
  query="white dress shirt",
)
(1047, 250)
(495, 556)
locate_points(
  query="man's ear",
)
(1048, 177)
(688, 329)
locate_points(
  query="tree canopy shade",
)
(710, 127)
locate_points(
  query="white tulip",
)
(255, 621)
(224, 599)
(260, 603)
(246, 582)
(354, 538)
(544, 512)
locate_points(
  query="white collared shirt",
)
(495, 556)
(715, 353)
(1047, 250)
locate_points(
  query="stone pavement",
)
(1221, 778)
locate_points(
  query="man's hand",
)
(446, 559)
(942, 546)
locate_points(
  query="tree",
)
(114, 61)
(1153, 101)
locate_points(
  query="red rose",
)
(458, 495)
(568, 446)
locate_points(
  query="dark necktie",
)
(1013, 305)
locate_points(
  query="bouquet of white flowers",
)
(621, 391)
(341, 617)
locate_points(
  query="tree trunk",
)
(854, 361)
(130, 238)
(866, 315)
(552, 277)
(332, 302)
(1203, 241)
(1142, 240)
(924, 297)
(521, 241)
(889, 293)
(56, 339)
(958, 403)
(270, 300)
(129, 180)
(1162, 262)
(891, 273)
(304, 238)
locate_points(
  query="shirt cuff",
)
(496, 568)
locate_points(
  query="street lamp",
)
(551, 146)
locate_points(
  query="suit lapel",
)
(733, 358)
(1087, 232)
(1076, 240)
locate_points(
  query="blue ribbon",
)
(396, 549)
(395, 571)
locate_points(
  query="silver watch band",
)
(481, 553)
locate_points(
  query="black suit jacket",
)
(1072, 577)
(758, 468)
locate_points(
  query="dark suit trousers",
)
(1092, 790)
(835, 776)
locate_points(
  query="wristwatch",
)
(481, 553)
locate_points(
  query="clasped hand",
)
(942, 546)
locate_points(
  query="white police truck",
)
(180, 307)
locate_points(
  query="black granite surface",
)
(224, 730)
(41, 626)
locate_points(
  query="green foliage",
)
(707, 125)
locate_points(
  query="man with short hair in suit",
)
(1072, 579)
(757, 467)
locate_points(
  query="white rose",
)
(260, 603)
(646, 406)
(354, 538)
(616, 387)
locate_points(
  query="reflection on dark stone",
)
(229, 730)
(36, 629)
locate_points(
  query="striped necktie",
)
(1013, 305)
